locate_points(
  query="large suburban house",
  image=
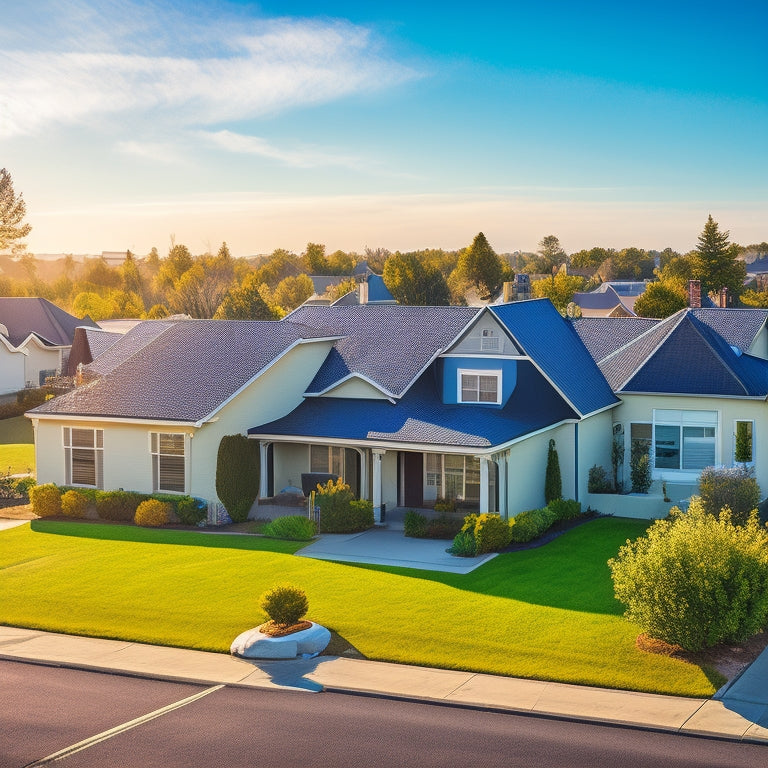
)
(35, 340)
(415, 404)
(407, 404)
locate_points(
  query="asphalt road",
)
(124, 721)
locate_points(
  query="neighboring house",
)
(87, 344)
(687, 384)
(370, 289)
(12, 363)
(43, 332)
(408, 404)
(610, 299)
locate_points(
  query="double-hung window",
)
(84, 457)
(168, 462)
(479, 386)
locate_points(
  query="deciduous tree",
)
(661, 299)
(559, 289)
(412, 282)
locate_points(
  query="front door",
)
(413, 479)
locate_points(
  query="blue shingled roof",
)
(605, 299)
(604, 335)
(738, 327)
(421, 417)
(388, 344)
(377, 291)
(684, 355)
(550, 340)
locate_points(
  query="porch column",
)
(484, 501)
(502, 462)
(263, 469)
(376, 454)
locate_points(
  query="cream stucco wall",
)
(639, 408)
(11, 370)
(127, 459)
(39, 358)
(357, 388)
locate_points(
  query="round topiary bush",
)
(45, 500)
(152, 513)
(285, 604)
(74, 504)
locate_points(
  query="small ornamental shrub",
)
(237, 475)
(565, 509)
(45, 500)
(469, 523)
(735, 488)
(415, 524)
(291, 527)
(529, 525)
(152, 513)
(492, 533)
(553, 484)
(640, 467)
(188, 509)
(23, 485)
(743, 449)
(74, 504)
(444, 505)
(119, 506)
(464, 544)
(340, 512)
(695, 580)
(598, 480)
(285, 604)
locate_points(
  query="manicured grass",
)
(546, 613)
(17, 459)
(16, 430)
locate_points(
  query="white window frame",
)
(157, 460)
(682, 419)
(733, 451)
(462, 372)
(96, 447)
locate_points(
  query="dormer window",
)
(479, 386)
(489, 342)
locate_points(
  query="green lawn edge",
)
(545, 613)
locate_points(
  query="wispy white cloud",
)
(305, 157)
(268, 67)
(154, 151)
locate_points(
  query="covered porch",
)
(390, 476)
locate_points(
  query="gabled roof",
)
(386, 344)
(377, 291)
(87, 344)
(421, 417)
(738, 327)
(555, 347)
(185, 373)
(22, 316)
(683, 355)
(604, 335)
(604, 299)
(758, 266)
(128, 345)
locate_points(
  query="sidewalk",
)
(738, 712)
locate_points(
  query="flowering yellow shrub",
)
(152, 513)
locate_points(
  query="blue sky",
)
(402, 125)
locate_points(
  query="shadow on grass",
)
(570, 572)
(107, 532)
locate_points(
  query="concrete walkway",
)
(739, 712)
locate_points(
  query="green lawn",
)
(546, 613)
(17, 451)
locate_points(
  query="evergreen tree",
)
(481, 267)
(12, 212)
(553, 484)
(714, 261)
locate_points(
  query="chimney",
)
(509, 291)
(723, 298)
(694, 294)
(362, 292)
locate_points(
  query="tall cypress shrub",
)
(553, 483)
(237, 475)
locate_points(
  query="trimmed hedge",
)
(118, 506)
(45, 500)
(237, 475)
(74, 504)
(152, 513)
(340, 512)
(291, 527)
(565, 509)
(529, 525)
(418, 526)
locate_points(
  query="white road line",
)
(99, 737)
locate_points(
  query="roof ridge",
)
(698, 326)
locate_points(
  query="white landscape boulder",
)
(252, 644)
